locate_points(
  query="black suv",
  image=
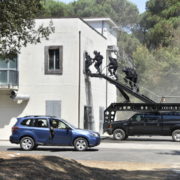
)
(152, 123)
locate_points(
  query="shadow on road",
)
(137, 139)
(52, 149)
(170, 153)
(51, 167)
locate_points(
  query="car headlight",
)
(95, 134)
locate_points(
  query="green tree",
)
(158, 23)
(122, 12)
(158, 70)
(52, 8)
(17, 25)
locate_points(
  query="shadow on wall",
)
(88, 109)
(9, 109)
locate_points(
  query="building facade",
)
(48, 78)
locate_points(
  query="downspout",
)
(79, 82)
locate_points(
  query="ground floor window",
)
(53, 108)
(9, 71)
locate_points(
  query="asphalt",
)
(144, 142)
(145, 149)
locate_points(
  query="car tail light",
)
(14, 128)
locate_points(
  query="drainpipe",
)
(79, 82)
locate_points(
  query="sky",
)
(140, 4)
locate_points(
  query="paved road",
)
(137, 149)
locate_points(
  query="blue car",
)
(31, 131)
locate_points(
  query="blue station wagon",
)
(31, 131)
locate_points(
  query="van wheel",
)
(119, 134)
(176, 135)
(27, 143)
(80, 144)
(126, 137)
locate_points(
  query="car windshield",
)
(72, 126)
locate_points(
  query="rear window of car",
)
(27, 122)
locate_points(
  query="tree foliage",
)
(159, 69)
(122, 12)
(159, 21)
(54, 9)
(17, 25)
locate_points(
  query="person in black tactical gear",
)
(112, 66)
(98, 60)
(132, 76)
(88, 63)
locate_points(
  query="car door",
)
(153, 125)
(40, 130)
(136, 125)
(62, 133)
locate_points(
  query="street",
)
(155, 150)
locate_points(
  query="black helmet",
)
(95, 52)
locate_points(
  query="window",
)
(40, 123)
(53, 59)
(152, 117)
(27, 122)
(58, 124)
(137, 117)
(53, 108)
(9, 72)
(171, 117)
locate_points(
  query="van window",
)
(171, 117)
(138, 117)
(152, 117)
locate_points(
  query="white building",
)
(49, 77)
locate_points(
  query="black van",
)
(152, 123)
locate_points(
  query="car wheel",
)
(176, 135)
(27, 143)
(80, 144)
(119, 134)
